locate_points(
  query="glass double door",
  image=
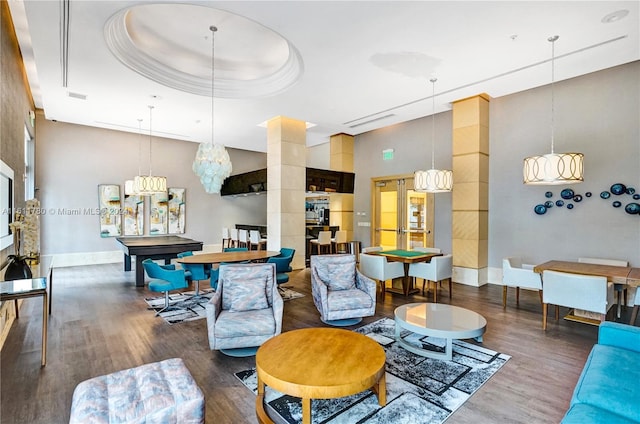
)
(402, 217)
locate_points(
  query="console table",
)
(22, 289)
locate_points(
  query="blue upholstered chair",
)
(164, 279)
(246, 309)
(342, 294)
(195, 272)
(283, 264)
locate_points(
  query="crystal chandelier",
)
(553, 168)
(212, 163)
(146, 185)
(433, 180)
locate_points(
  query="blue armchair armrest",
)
(619, 335)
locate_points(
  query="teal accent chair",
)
(164, 279)
(195, 272)
(283, 264)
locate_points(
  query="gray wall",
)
(73, 159)
(597, 115)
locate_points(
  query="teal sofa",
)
(608, 390)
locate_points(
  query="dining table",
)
(235, 256)
(616, 274)
(407, 257)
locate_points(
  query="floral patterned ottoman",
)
(160, 392)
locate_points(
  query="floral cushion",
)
(247, 295)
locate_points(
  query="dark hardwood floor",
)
(100, 324)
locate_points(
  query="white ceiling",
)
(360, 61)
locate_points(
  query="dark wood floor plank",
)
(100, 325)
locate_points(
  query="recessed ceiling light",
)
(614, 16)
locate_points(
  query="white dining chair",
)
(519, 275)
(243, 238)
(226, 237)
(440, 268)
(378, 268)
(233, 235)
(618, 288)
(586, 292)
(339, 242)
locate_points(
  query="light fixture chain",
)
(139, 145)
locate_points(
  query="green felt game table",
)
(407, 257)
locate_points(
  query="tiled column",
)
(341, 204)
(286, 169)
(470, 200)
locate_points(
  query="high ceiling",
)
(342, 66)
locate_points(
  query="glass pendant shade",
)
(146, 185)
(554, 169)
(212, 164)
(433, 181)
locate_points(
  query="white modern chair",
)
(323, 240)
(256, 240)
(438, 269)
(243, 238)
(636, 305)
(587, 292)
(226, 237)
(519, 275)
(620, 289)
(378, 268)
(371, 249)
(233, 235)
(340, 242)
(427, 249)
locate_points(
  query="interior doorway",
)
(402, 218)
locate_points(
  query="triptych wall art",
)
(126, 215)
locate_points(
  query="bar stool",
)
(233, 237)
(323, 240)
(339, 242)
(226, 237)
(256, 240)
(243, 238)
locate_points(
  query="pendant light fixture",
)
(212, 163)
(433, 180)
(129, 185)
(147, 185)
(553, 168)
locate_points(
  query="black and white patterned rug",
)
(419, 389)
(185, 307)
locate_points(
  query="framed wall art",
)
(177, 211)
(133, 215)
(109, 206)
(158, 214)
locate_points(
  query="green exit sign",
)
(387, 154)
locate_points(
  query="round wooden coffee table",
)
(319, 363)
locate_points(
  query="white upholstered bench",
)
(160, 392)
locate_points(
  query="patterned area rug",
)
(184, 307)
(419, 390)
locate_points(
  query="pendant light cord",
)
(213, 70)
(433, 123)
(150, 139)
(553, 45)
(139, 144)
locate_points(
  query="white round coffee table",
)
(438, 320)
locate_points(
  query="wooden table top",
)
(218, 257)
(320, 363)
(616, 274)
(406, 256)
